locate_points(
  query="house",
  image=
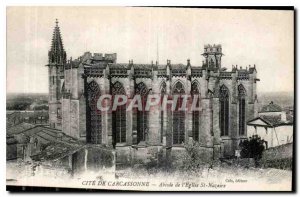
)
(273, 125)
(26, 140)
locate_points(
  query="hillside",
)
(283, 99)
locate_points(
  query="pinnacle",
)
(57, 47)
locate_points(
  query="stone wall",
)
(278, 157)
(11, 151)
(55, 84)
(93, 158)
(74, 108)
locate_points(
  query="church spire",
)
(57, 54)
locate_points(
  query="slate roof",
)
(271, 108)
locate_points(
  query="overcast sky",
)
(248, 37)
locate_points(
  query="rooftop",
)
(19, 128)
(269, 121)
(56, 150)
(271, 108)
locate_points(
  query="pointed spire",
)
(56, 44)
(57, 53)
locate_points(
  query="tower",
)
(56, 63)
(213, 55)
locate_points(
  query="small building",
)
(26, 140)
(37, 117)
(11, 148)
(273, 125)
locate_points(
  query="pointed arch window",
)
(224, 110)
(119, 116)
(95, 127)
(242, 108)
(196, 113)
(163, 90)
(142, 115)
(178, 116)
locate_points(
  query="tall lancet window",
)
(163, 91)
(95, 127)
(242, 113)
(178, 115)
(224, 110)
(119, 116)
(196, 113)
(142, 115)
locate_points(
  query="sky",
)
(261, 37)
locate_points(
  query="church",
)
(227, 99)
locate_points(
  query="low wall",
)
(280, 157)
(93, 158)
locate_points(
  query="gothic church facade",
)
(227, 99)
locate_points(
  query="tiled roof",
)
(271, 108)
(271, 120)
(57, 144)
(56, 150)
(11, 140)
(9, 112)
(23, 114)
(19, 128)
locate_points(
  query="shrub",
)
(193, 159)
(252, 148)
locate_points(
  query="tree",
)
(252, 148)
(193, 160)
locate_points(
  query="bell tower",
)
(56, 62)
(213, 55)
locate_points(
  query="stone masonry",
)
(74, 83)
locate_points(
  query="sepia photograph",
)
(150, 98)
